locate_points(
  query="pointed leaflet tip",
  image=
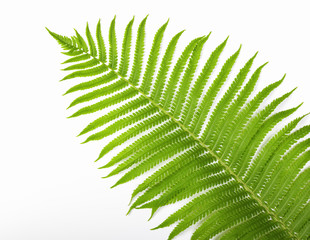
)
(106, 165)
(114, 185)
(98, 24)
(299, 105)
(236, 54)
(113, 20)
(305, 115)
(255, 55)
(263, 65)
(146, 17)
(129, 211)
(105, 176)
(289, 93)
(223, 44)
(205, 38)
(84, 141)
(130, 200)
(88, 139)
(240, 48)
(101, 168)
(98, 159)
(81, 133)
(162, 225)
(132, 20)
(54, 35)
(164, 26)
(152, 213)
(293, 90)
(282, 79)
(295, 108)
(155, 228)
(67, 92)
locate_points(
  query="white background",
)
(50, 187)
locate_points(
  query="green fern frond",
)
(241, 184)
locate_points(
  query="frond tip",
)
(208, 147)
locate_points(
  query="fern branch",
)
(244, 174)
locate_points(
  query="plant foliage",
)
(240, 183)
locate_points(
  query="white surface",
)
(50, 187)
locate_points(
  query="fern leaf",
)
(240, 183)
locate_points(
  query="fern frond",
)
(241, 184)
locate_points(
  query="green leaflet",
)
(241, 183)
(180, 97)
(91, 43)
(125, 58)
(164, 67)
(113, 46)
(197, 90)
(138, 56)
(152, 61)
(93, 83)
(101, 47)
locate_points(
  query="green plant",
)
(241, 185)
